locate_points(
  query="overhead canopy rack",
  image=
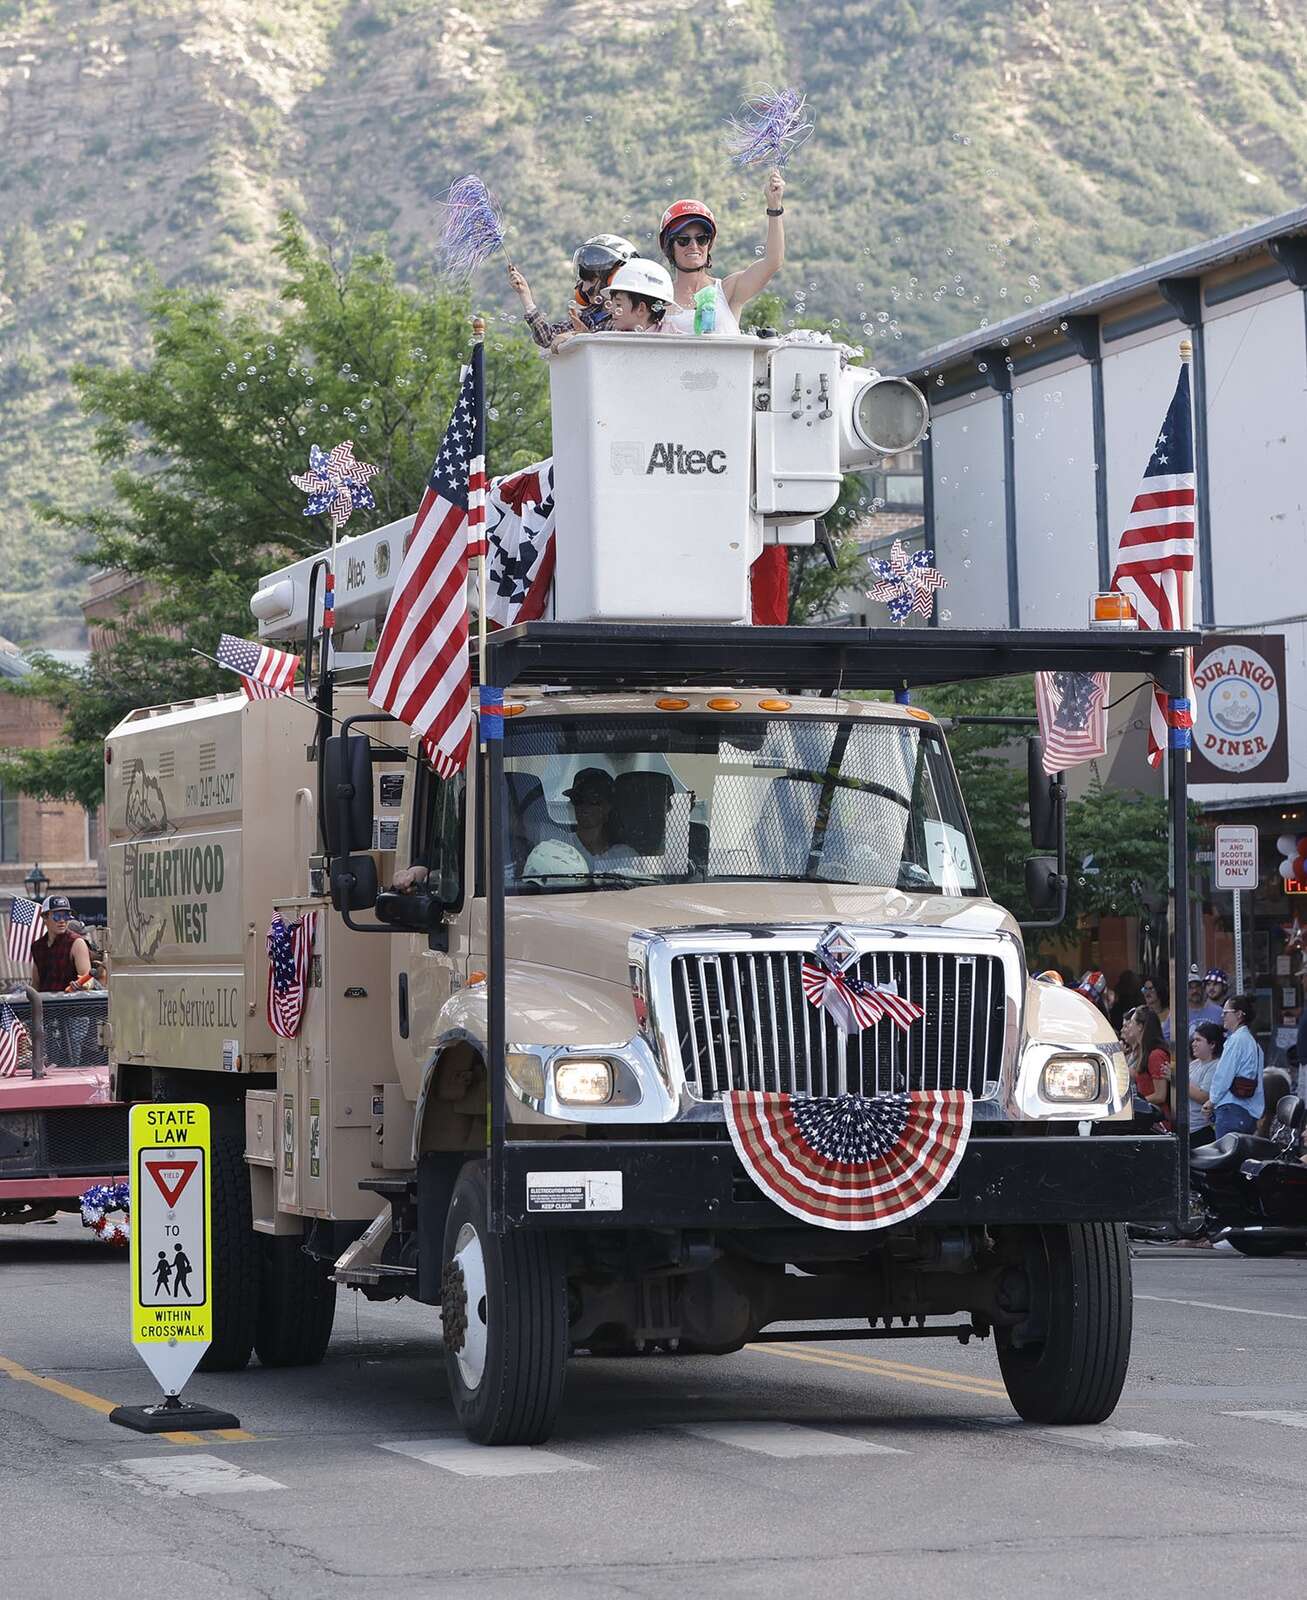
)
(605, 655)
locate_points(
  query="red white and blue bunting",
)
(847, 1162)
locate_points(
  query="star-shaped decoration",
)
(1295, 935)
(336, 484)
(907, 582)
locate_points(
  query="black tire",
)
(1067, 1362)
(235, 1258)
(297, 1304)
(511, 1391)
(1251, 1245)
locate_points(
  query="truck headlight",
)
(525, 1074)
(1076, 1078)
(583, 1083)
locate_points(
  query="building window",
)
(93, 835)
(8, 825)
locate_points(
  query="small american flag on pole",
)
(1155, 559)
(1072, 709)
(848, 1162)
(421, 673)
(12, 1035)
(26, 924)
(265, 673)
(290, 963)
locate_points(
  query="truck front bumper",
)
(701, 1184)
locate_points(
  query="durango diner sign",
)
(1240, 722)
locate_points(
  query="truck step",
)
(369, 1273)
(390, 1187)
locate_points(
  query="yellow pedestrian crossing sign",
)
(171, 1240)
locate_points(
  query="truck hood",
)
(587, 933)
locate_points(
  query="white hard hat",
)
(648, 278)
(555, 858)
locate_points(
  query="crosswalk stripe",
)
(1286, 1419)
(1098, 1436)
(189, 1474)
(1215, 1305)
(484, 1461)
(786, 1439)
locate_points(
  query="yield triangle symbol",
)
(171, 1177)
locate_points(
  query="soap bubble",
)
(241, 388)
(493, 413)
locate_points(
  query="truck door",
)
(432, 830)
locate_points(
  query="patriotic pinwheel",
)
(336, 484)
(907, 582)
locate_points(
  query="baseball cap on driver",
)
(57, 902)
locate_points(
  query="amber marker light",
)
(671, 704)
(773, 705)
(513, 710)
(721, 703)
(919, 714)
(1113, 610)
(476, 977)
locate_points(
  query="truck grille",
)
(743, 1022)
(86, 1139)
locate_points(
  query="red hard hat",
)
(683, 211)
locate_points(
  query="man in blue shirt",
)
(1241, 1063)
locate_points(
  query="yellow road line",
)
(823, 1357)
(95, 1402)
(883, 1364)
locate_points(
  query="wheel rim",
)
(470, 1260)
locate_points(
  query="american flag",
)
(12, 1035)
(520, 538)
(26, 924)
(290, 961)
(847, 1162)
(265, 672)
(1072, 709)
(852, 1003)
(421, 672)
(1155, 559)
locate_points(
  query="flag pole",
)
(478, 337)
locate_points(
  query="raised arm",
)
(742, 286)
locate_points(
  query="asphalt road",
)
(847, 1469)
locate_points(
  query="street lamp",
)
(36, 883)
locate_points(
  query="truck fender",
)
(459, 1039)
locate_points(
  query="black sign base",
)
(172, 1416)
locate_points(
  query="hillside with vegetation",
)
(970, 155)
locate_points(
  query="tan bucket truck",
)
(508, 1096)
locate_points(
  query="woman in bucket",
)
(686, 236)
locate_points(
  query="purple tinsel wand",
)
(769, 127)
(473, 228)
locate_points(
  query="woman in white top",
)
(686, 235)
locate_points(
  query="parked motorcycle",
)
(1254, 1190)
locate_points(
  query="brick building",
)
(56, 835)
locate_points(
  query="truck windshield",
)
(609, 803)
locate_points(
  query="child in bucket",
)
(637, 299)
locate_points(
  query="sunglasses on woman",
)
(693, 238)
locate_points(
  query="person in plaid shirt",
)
(593, 264)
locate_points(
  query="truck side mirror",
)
(353, 882)
(1044, 793)
(347, 795)
(421, 913)
(1045, 885)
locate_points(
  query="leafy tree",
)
(203, 439)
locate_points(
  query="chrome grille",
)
(743, 1022)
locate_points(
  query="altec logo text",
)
(675, 458)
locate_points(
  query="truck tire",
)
(1067, 1363)
(504, 1314)
(1251, 1245)
(297, 1304)
(235, 1258)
